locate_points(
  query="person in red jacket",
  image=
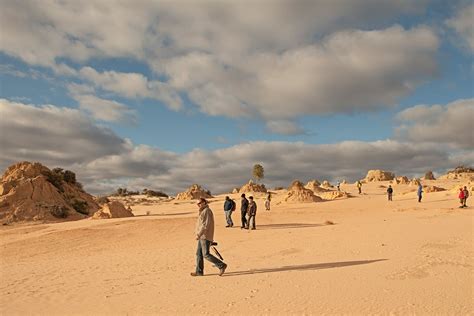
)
(461, 197)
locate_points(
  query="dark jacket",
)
(252, 208)
(228, 205)
(390, 190)
(245, 205)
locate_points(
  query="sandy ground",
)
(379, 257)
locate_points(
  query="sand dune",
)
(379, 257)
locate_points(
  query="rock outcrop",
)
(432, 188)
(429, 176)
(402, 180)
(195, 192)
(378, 175)
(253, 187)
(31, 191)
(326, 184)
(297, 193)
(415, 182)
(113, 209)
(461, 173)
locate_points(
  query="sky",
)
(164, 94)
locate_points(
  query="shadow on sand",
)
(304, 267)
(166, 214)
(287, 226)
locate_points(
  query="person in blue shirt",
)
(228, 208)
(420, 192)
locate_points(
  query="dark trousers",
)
(390, 196)
(360, 190)
(419, 197)
(244, 219)
(202, 253)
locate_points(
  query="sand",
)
(379, 257)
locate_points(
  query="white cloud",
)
(463, 23)
(132, 85)
(234, 59)
(105, 110)
(103, 161)
(450, 124)
(57, 136)
(348, 72)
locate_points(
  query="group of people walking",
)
(248, 210)
(463, 195)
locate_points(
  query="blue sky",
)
(177, 78)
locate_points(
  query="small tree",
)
(258, 172)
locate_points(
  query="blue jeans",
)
(228, 218)
(202, 252)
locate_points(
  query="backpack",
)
(233, 205)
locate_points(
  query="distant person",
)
(252, 210)
(244, 205)
(359, 186)
(466, 195)
(268, 201)
(205, 236)
(228, 209)
(338, 185)
(419, 192)
(389, 192)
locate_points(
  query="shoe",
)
(227, 226)
(222, 270)
(254, 228)
(194, 274)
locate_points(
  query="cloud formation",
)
(233, 59)
(450, 124)
(103, 161)
(463, 24)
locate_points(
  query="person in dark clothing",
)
(466, 195)
(243, 210)
(420, 192)
(228, 208)
(389, 192)
(252, 210)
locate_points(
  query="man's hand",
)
(197, 237)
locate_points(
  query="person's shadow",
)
(314, 266)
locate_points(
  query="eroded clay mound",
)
(402, 180)
(113, 209)
(31, 191)
(195, 192)
(253, 187)
(379, 175)
(297, 193)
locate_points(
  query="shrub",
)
(69, 176)
(150, 193)
(80, 206)
(59, 211)
(103, 200)
(55, 179)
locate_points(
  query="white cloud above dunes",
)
(463, 24)
(234, 59)
(67, 138)
(54, 135)
(105, 110)
(451, 124)
(348, 72)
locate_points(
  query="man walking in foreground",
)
(205, 236)
(243, 209)
(228, 208)
(252, 213)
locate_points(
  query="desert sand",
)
(378, 257)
